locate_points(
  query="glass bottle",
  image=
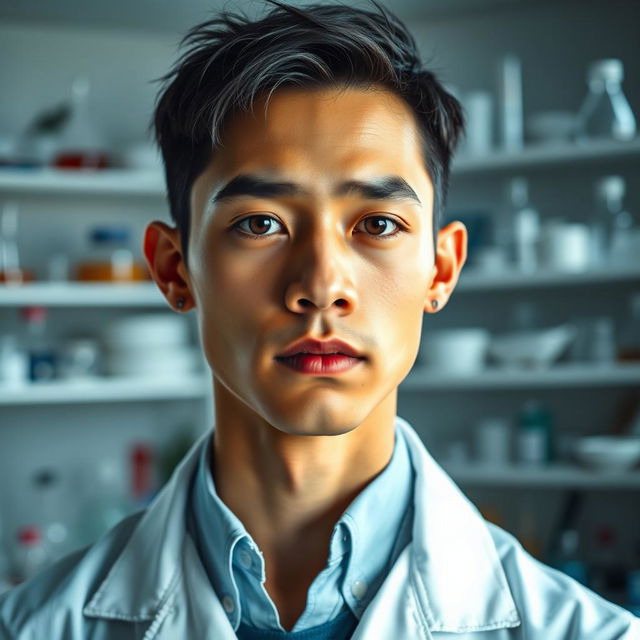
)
(10, 271)
(41, 355)
(31, 554)
(81, 146)
(52, 509)
(534, 435)
(569, 559)
(526, 226)
(610, 224)
(605, 111)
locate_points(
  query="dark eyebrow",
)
(256, 186)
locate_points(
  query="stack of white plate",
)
(149, 345)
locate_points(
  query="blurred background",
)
(526, 388)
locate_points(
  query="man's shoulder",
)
(545, 596)
(54, 598)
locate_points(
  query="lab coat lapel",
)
(394, 612)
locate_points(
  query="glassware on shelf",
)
(565, 246)
(14, 363)
(30, 553)
(52, 507)
(534, 441)
(618, 234)
(10, 271)
(81, 145)
(42, 359)
(569, 557)
(605, 111)
(526, 226)
(111, 258)
(104, 500)
(510, 102)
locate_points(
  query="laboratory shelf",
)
(551, 476)
(546, 155)
(116, 389)
(559, 377)
(471, 280)
(118, 182)
(147, 294)
(82, 294)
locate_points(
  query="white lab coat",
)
(460, 578)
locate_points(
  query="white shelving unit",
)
(111, 390)
(547, 155)
(81, 294)
(560, 377)
(477, 281)
(551, 476)
(51, 181)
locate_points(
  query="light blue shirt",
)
(460, 577)
(365, 543)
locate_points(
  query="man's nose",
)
(320, 275)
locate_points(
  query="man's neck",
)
(290, 490)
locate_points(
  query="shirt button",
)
(359, 588)
(245, 558)
(228, 605)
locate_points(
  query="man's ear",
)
(163, 253)
(451, 254)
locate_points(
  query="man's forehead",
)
(324, 121)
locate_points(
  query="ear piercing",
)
(435, 304)
(180, 303)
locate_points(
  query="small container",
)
(42, 357)
(14, 363)
(111, 258)
(479, 107)
(566, 247)
(526, 226)
(534, 436)
(493, 441)
(569, 559)
(31, 554)
(78, 358)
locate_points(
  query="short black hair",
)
(231, 61)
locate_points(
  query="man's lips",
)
(308, 345)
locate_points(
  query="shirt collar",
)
(227, 547)
(373, 548)
(456, 574)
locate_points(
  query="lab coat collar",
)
(456, 572)
(449, 578)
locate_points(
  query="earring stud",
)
(435, 304)
(180, 303)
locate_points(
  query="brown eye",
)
(257, 225)
(377, 225)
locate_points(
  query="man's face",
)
(351, 265)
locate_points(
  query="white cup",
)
(479, 107)
(493, 441)
(565, 246)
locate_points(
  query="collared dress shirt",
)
(460, 578)
(365, 543)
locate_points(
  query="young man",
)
(307, 159)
